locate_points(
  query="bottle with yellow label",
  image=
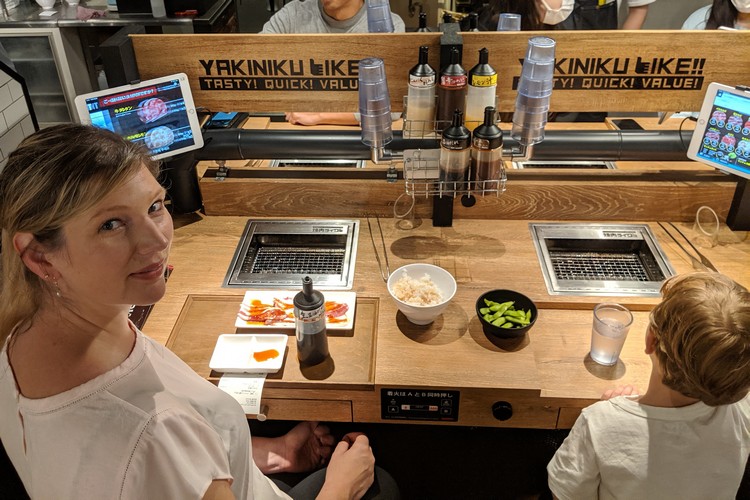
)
(482, 90)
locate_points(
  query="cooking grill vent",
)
(280, 253)
(295, 260)
(600, 259)
(598, 266)
(592, 165)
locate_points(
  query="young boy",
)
(688, 436)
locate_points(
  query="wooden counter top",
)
(547, 373)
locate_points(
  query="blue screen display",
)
(726, 139)
(154, 115)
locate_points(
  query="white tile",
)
(3, 125)
(16, 112)
(5, 97)
(10, 139)
(28, 126)
(4, 77)
(2, 164)
(16, 91)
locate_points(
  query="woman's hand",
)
(351, 470)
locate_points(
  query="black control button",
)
(502, 410)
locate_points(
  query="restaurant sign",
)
(625, 73)
(279, 74)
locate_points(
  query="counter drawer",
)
(306, 409)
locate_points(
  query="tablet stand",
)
(180, 178)
(738, 218)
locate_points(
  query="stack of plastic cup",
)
(374, 103)
(534, 91)
(509, 22)
(379, 18)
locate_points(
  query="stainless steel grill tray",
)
(598, 266)
(295, 260)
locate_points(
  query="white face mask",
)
(557, 16)
(742, 5)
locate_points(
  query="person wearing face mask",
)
(722, 13)
(534, 15)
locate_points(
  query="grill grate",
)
(618, 266)
(317, 163)
(294, 260)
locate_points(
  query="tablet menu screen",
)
(155, 115)
(726, 137)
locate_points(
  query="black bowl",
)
(520, 300)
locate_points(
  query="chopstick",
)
(703, 263)
(703, 258)
(387, 272)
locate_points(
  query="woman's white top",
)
(149, 428)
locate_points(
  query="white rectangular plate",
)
(274, 309)
(234, 353)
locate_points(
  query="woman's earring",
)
(57, 287)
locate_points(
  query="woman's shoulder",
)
(697, 20)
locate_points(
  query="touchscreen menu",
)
(155, 115)
(726, 138)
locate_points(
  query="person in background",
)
(534, 14)
(89, 406)
(688, 436)
(323, 16)
(721, 13)
(603, 15)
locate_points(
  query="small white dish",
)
(274, 309)
(46, 4)
(443, 280)
(236, 353)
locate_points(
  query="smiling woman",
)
(88, 404)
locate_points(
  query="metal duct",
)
(625, 145)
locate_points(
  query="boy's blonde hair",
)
(702, 333)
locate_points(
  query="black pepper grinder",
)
(310, 324)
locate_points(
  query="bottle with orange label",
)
(482, 90)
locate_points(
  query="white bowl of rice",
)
(421, 291)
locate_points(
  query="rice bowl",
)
(421, 291)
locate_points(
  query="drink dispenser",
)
(534, 91)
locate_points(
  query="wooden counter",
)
(546, 376)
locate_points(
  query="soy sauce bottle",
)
(423, 23)
(451, 91)
(310, 324)
(486, 153)
(455, 152)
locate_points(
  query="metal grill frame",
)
(599, 263)
(298, 260)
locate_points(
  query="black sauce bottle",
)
(452, 89)
(310, 324)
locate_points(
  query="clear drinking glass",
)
(706, 227)
(611, 325)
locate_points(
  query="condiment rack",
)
(422, 177)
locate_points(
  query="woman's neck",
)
(60, 351)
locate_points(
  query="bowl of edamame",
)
(506, 313)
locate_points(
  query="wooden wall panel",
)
(639, 70)
(529, 200)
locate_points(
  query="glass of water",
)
(611, 325)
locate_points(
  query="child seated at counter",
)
(688, 436)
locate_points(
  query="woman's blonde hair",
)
(54, 175)
(702, 333)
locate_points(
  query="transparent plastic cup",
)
(379, 18)
(611, 325)
(706, 227)
(509, 22)
(374, 103)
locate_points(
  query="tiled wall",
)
(15, 122)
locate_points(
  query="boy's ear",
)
(650, 341)
(32, 254)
